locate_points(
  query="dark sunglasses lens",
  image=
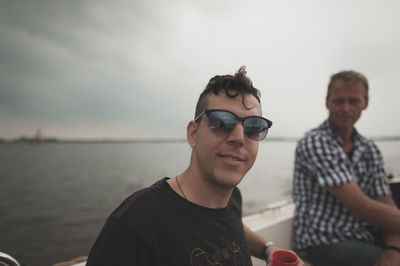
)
(255, 128)
(221, 122)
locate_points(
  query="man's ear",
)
(366, 104)
(191, 133)
(326, 102)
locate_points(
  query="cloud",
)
(136, 68)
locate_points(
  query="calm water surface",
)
(54, 198)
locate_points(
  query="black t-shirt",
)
(156, 226)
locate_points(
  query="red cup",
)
(284, 258)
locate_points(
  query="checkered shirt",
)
(320, 162)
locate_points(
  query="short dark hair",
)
(349, 77)
(239, 84)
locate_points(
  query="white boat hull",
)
(273, 223)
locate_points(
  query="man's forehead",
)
(222, 101)
(347, 83)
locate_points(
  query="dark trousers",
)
(346, 253)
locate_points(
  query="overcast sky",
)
(127, 69)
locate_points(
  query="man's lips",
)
(346, 118)
(232, 157)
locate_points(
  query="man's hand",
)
(388, 258)
(272, 249)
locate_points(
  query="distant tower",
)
(38, 136)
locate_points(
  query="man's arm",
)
(390, 239)
(380, 212)
(377, 213)
(256, 246)
(390, 256)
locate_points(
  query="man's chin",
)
(228, 181)
(344, 123)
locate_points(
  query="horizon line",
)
(153, 139)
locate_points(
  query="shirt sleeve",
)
(236, 200)
(378, 186)
(114, 246)
(325, 161)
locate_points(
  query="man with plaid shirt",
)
(344, 214)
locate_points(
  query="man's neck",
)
(197, 190)
(346, 135)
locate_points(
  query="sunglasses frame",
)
(238, 118)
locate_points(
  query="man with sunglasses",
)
(195, 218)
(343, 201)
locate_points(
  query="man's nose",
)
(346, 106)
(237, 135)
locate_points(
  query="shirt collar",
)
(327, 128)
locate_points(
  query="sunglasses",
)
(223, 122)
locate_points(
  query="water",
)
(54, 198)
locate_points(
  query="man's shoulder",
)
(369, 148)
(315, 135)
(141, 201)
(366, 141)
(236, 198)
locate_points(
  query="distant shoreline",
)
(148, 140)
